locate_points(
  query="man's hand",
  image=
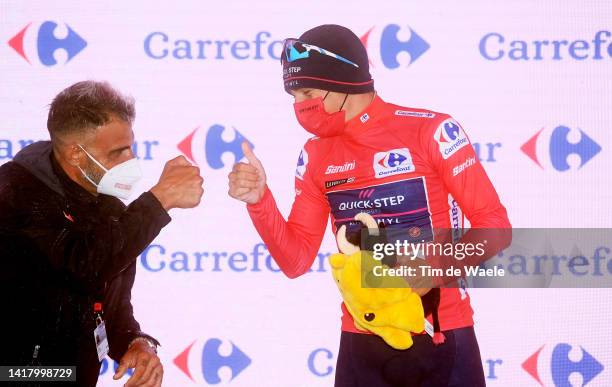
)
(247, 182)
(180, 185)
(421, 285)
(148, 369)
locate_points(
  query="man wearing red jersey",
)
(411, 169)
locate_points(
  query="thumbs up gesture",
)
(247, 181)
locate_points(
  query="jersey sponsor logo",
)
(414, 231)
(300, 170)
(393, 162)
(457, 169)
(333, 169)
(335, 183)
(401, 205)
(364, 118)
(371, 204)
(450, 137)
(291, 71)
(456, 220)
(409, 113)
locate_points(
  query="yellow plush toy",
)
(388, 309)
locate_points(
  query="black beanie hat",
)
(326, 72)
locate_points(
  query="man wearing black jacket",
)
(69, 245)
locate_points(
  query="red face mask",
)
(312, 116)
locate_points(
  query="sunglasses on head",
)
(295, 49)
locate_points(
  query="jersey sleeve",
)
(457, 164)
(465, 179)
(293, 243)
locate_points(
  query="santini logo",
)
(332, 169)
(463, 166)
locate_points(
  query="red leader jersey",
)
(409, 168)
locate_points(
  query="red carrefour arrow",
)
(182, 361)
(364, 41)
(531, 366)
(16, 42)
(185, 145)
(529, 148)
(442, 139)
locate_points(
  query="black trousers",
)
(367, 361)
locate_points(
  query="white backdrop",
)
(207, 279)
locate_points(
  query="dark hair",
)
(87, 105)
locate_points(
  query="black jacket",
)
(62, 249)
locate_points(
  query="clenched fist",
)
(180, 185)
(247, 182)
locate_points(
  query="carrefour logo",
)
(495, 46)
(211, 145)
(386, 45)
(300, 169)
(557, 368)
(162, 45)
(42, 44)
(393, 42)
(321, 362)
(450, 137)
(393, 162)
(202, 361)
(392, 159)
(552, 148)
(9, 147)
